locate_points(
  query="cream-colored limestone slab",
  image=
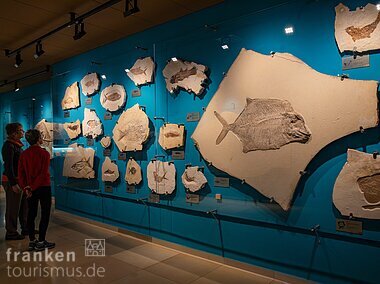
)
(110, 171)
(193, 179)
(186, 75)
(79, 162)
(90, 84)
(142, 71)
(133, 174)
(71, 98)
(92, 126)
(357, 188)
(330, 108)
(171, 136)
(161, 177)
(106, 141)
(73, 129)
(113, 97)
(46, 129)
(357, 30)
(131, 129)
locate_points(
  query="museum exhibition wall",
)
(224, 133)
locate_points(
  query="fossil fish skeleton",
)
(266, 124)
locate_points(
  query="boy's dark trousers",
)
(42, 195)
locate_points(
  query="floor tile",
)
(154, 251)
(228, 275)
(191, 264)
(124, 242)
(135, 259)
(172, 273)
(143, 277)
(203, 280)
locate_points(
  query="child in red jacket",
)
(34, 179)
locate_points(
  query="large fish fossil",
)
(364, 32)
(138, 71)
(266, 124)
(183, 74)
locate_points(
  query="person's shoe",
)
(32, 245)
(44, 245)
(14, 237)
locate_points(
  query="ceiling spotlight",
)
(33, 99)
(127, 70)
(16, 87)
(225, 46)
(39, 50)
(18, 60)
(79, 31)
(104, 77)
(289, 30)
(174, 59)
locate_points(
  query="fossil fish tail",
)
(226, 128)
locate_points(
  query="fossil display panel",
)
(171, 136)
(189, 76)
(90, 84)
(193, 179)
(161, 177)
(79, 162)
(73, 129)
(71, 98)
(309, 103)
(113, 97)
(106, 141)
(131, 129)
(46, 129)
(357, 30)
(357, 188)
(110, 171)
(133, 173)
(142, 71)
(92, 127)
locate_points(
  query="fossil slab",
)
(91, 125)
(131, 129)
(316, 99)
(79, 162)
(161, 177)
(357, 188)
(106, 141)
(110, 171)
(142, 71)
(189, 76)
(265, 124)
(46, 129)
(113, 97)
(133, 174)
(90, 84)
(193, 179)
(71, 98)
(171, 136)
(357, 30)
(72, 129)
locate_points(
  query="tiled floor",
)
(127, 260)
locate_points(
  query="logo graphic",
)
(95, 247)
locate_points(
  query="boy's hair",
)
(32, 136)
(12, 128)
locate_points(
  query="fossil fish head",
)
(294, 127)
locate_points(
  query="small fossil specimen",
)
(90, 84)
(73, 129)
(142, 71)
(193, 179)
(133, 173)
(113, 97)
(161, 177)
(110, 171)
(266, 124)
(105, 141)
(171, 136)
(92, 127)
(46, 130)
(71, 98)
(79, 162)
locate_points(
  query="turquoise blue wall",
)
(248, 228)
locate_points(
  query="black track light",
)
(39, 50)
(130, 7)
(79, 30)
(18, 60)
